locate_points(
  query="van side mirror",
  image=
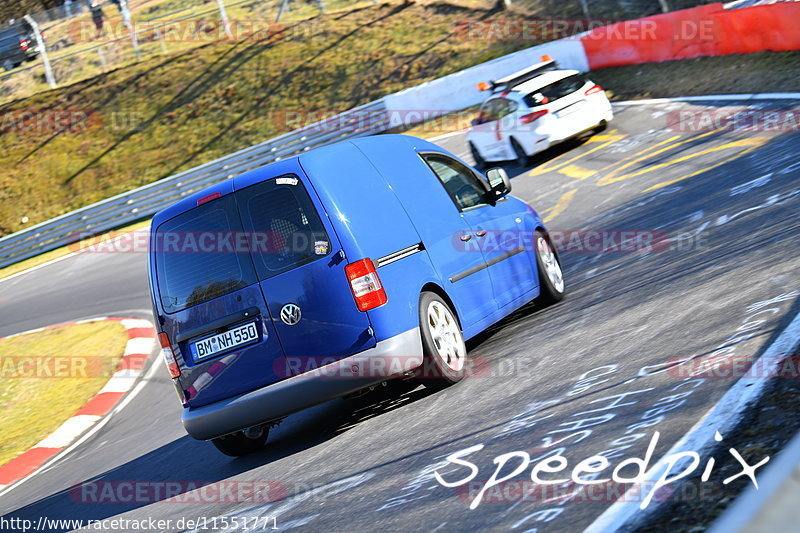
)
(499, 182)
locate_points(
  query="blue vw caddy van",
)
(331, 272)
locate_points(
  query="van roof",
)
(285, 166)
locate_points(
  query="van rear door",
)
(300, 265)
(211, 306)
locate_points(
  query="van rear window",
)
(282, 213)
(200, 255)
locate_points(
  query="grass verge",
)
(79, 359)
(176, 111)
(763, 72)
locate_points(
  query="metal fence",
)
(143, 202)
(129, 31)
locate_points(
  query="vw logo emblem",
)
(290, 314)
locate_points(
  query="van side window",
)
(463, 186)
(287, 230)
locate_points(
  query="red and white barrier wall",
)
(709, 30)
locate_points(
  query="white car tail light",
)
(532, 117)
(593, 90)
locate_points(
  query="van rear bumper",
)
(389, 358)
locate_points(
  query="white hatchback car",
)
(533, 109)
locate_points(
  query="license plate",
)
(569, 110)
(222, 342)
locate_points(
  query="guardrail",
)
(143, 202)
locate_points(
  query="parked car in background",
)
(17, 44)
(333, 271)
(533, 109)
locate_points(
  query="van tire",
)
(523, 159)
(238, 444)
(444, 351)
(549, 269)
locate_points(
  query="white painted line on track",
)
(68, 431)
(713, 97)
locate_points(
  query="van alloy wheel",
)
(445, 354)
(551, 277)
(446, 335)
(551, 266)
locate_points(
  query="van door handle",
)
(465, 238)
(480, 233)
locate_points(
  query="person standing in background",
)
(97, 17)
(67, 8)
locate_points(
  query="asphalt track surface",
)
(580, 375)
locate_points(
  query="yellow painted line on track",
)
(560, 206)
(665, 146)
(751, 143)
(556, 164)
(576, 172)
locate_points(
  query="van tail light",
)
(532, 117)
(23, 44)
(366, 285)
(593, 90)
(169, 356)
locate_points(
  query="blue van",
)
(331, 272)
